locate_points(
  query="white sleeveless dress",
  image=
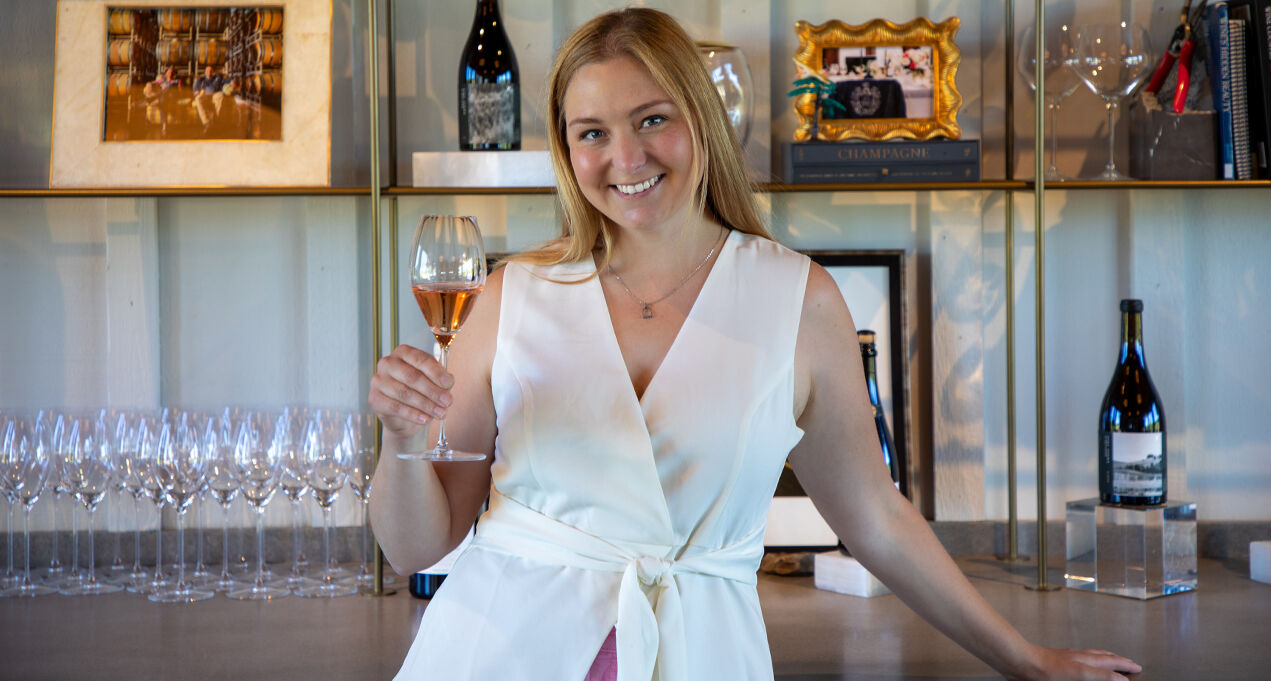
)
(605, 510)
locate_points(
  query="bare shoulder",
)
(824, 310)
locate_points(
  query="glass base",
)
(29, 591)
(259, 592)
(1137, 552)
(1054, 175)
(181, 594)
(441, 455)
(1111, 174)
(93, 588)
(328, 590)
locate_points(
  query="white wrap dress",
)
(607, 510)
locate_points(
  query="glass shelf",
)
(108, 192)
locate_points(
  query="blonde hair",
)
(657, 42)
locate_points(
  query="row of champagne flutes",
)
(173, 458)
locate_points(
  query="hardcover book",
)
(898, 161)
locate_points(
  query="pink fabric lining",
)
(605, 666)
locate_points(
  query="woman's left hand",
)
(1054, 664)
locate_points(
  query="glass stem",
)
(260, 547)
(55, 563)
(1052, 167)
(92, 561)
(295, 538)
(180, 550)
(225, 545)
(1112, 111)
(326, 545)
(366, 539)
(443, 447)
(74, 542)
(158, 546)
(119, 548)
(136, 535)
(10, 571)
(198, 545)
(26, 532)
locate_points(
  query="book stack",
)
(882, 162)
(1239, 35)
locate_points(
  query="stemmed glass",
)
(447, 273)
(1113, 60)
(120, 470)
(361, 469)
(27, 456)
(9, 485)
(181, 461)
(223, 478)
(151, 477)
(64, 436)
(86, 473)
(129, 433)
(329, 444)
(294, 481)
(1060, 79)
(259, 458)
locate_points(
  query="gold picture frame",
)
(893, 81)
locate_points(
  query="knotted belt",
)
(650, 615)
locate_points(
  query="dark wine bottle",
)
(424, 584)
(1132, 424)
(489, 85)
(869, 355)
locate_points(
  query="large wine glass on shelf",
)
(447, 273)
(27, 456)
(1113, 60)
(258, 453)
(86, 473)
(181, 461)
(1060, 80)
(328, 439)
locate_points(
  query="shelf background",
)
(259, 296)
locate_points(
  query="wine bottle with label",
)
(489, 85)
(869, 358)
(1132, 424)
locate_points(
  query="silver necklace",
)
(646, 307)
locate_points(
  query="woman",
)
(638, 384)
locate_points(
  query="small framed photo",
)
(872, 283)
(877, 81)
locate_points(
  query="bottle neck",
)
(1132, 337)
(868, 357)
(487, 9)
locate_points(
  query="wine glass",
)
(223, 479)
(258, 454)
(181, 462)
(361, 470)
(1113, 60)
(86, 472)
(65, 435)
(129, 432)
(117, 464)
(328, 440)
(27, 455)
(447, 273)
(1060, 79)
(294, 482)
(727, 68)
(152, 486)
(9, 482)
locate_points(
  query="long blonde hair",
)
(655, 40)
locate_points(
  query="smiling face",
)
(630, 147)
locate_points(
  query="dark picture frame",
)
(873, 284)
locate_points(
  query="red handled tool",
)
(1181, 47)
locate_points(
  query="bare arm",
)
(840, 464)
(421, 510)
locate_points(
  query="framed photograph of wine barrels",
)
(877, 81)
(161, 93)
(872, 284)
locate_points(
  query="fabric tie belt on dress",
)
(650, 615)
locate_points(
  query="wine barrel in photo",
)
(118, 83)
(211, 20)
(269, 20)
(270, 83)
(119, 52)
(209, 51)
(172, 51)
(178, 20)
(120, 21)
(269, 52)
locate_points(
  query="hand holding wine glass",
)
(447, 273)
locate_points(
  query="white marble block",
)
(842, 574)
(1260, 561)
(482, 169)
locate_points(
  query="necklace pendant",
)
(646, 312)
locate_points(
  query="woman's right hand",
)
(409, 389)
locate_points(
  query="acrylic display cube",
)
(1133, 551)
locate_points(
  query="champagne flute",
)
(27, 453)
(328, 441)
(294, 482)
(258, 454)
(181, 461)
(1113, 60)
(447, 273)
(85, 468)
(1061, 80)
(223, 479)
(9, 482)
(361, 470)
